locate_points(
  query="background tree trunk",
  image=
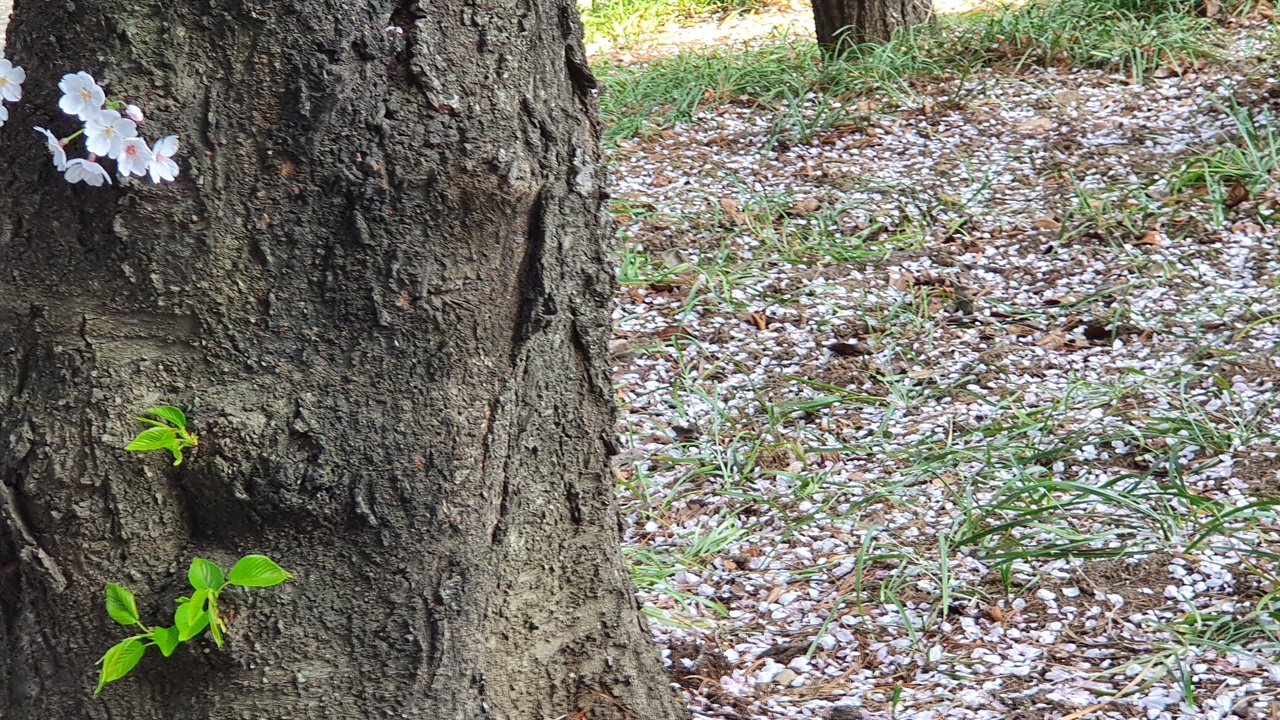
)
(380, 290)
(841, 23)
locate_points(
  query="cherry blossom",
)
(55, 148)
(162, 165)
(11, 78)
(135, 157)
(81, 96)
(4, 114)
(86, 171)
(105, 133)
(134, 113)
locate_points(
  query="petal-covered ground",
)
(967, 410)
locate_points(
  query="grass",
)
(1240, 169)
(625, 19)
(808, 96)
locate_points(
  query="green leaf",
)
(257, 571)
(166, 639)
(119, 660)
(121, 605)
(205, 575)
(176, 449)
(156, 438)
(216, 625)
(190, 617)
(170, 413)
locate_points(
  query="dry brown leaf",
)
(733, 210)
(662, 180)
(805, 206)
(1153, 237)
(1052, 340)
(759, 320)
(1237, 194)
(901, 281)
(850, 349)
(674, 331)
(1048, 224)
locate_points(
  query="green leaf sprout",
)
(194, 613)
(167, 433)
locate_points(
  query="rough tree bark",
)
(842, 23)
(380, 290)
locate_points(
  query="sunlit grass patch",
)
(628, 18)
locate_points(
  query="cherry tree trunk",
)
(842, 23)
(379, 289)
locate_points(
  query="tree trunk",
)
(379, 289)
(843, 23)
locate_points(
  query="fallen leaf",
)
(1237, 194)
(1152, 237)
(672, 332)
(850, 349)
(805, 206)
(759, 320)
(733, 210)
(685, 433)
(901, 281)
(662, 180)
(1048, 224)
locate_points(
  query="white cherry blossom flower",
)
(4, 114)
(135, 157)
(81, 96)
(162, 165)
(105, 133)
(134, 113)
(11, 78)
(86, 171)
(55, 148)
